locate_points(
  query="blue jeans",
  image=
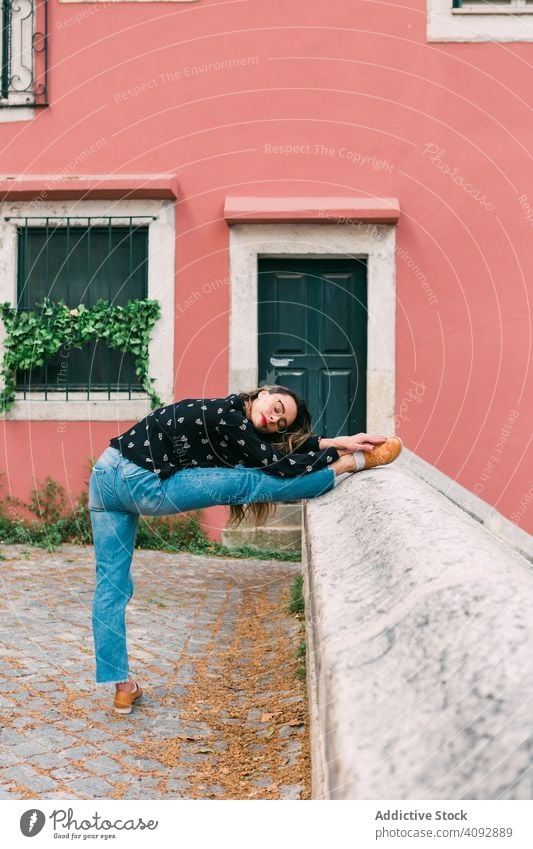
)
(120, 491)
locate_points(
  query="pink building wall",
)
(327, 99)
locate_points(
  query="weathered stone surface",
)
(421, 630)
(278, 539)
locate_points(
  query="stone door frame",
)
(374, 242)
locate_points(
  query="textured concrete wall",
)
(421, 635)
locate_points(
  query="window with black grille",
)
(80, 263)
(516, 6)
(23, 53)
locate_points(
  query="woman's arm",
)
(349, 444)
(342, 444)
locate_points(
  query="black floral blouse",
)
(206, 432)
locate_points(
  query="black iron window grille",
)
(80, 261)
(23, 53)
(512, 6)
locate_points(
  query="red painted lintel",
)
(53, 187)
(325, 210)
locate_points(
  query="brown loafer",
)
(384, 453)
(125, 699)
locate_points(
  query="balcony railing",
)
(23, 53)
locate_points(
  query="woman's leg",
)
(194, 489)
(115, 500)
(114, 541)
(114, 533)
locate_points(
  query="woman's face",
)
(273, 413)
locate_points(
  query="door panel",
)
(291, 313)
(293, 379)
(336, 316)
(336, 396)
(313, 336)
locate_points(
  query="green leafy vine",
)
(34, 336)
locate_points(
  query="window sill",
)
(131, 1)
(10, 112)
(494, 25)
(494, 11)
(56, 409)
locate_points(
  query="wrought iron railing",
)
(23, 53)
(82, 260)
(511, 6)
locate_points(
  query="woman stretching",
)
(248, 449)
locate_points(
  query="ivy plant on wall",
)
(34, 336)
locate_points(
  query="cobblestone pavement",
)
(223, 715)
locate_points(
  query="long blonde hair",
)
(285, 443)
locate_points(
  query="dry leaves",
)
(233, 693)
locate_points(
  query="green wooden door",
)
(313, 337)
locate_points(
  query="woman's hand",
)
(350, 444)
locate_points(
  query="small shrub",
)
(296, 599)
(301, 654)
(48, 501)
(172, 533)
(251, 553)
(296, 606)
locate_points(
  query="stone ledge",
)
(469, 502)
(420, 625)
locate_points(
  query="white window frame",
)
(161, 269)
(374, 242)
(488, 22)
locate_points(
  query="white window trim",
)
(161, 266)
(472, 24)
(9, 115)
(375, 242)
